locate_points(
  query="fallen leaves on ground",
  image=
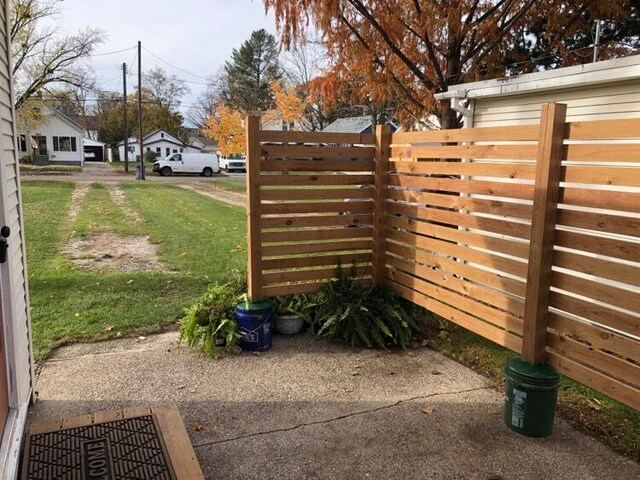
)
(428, 410)
(108, 328)
(196, 427)
(436, 372)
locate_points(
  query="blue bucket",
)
(254, 324)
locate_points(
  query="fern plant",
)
(362, 315)
(213, 316)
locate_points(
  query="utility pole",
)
(126, 119)
(596, 43)
(140, 140)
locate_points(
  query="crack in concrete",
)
(338, 418)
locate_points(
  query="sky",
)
(197, 36)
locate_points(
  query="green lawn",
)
(237, 185)
(28, 169)
(200, 240)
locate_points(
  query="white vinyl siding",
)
(613, 101)
(13, 272)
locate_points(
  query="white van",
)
(231, 164)
(203, 163)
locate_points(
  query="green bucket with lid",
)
(531, 393)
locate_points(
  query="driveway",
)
(311, 408)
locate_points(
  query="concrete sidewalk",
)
(309, 408)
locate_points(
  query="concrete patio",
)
(310, 408)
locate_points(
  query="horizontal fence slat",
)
(608, 317)
(301, 275)
(500, 226)
(599, 245)
(316, 194)
(320, 207)
(457, 202)
(345, 259)
(270, 165)
(475, 291)
(604, 362)
(462, 269)
(610, 176)
(316, 137)
(597, 290)
(496, 189)
(466, 168)
(284, 151)
(502, 245)
(603, 129)
(480, 134)
(598, 267)
(276, 291)
(316, 221)
(498, 152)
(280, 250)
(595, 336)
(461, 302)
(494, 262)
(333, 234)
(602, 152)
(599, 222)
(598, 381)
(605, 199)
(486, 330)
(302, 180)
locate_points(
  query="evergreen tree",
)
(250, 72)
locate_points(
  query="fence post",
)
(381, 176)
(545, 207)
(254, 242)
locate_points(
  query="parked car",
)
(203, 163)
(233, 164)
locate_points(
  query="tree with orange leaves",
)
(226, 127)
(407, 50)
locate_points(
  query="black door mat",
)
(129, 446)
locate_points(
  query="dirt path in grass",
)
(77, 197)
(210, 190)
(118, 197)
(109, 251)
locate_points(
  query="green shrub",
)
(150, 156)
(363, 315)
(26, 159)
(213, 316)
(302, 305)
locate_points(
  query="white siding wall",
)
(612, 101)
(15, 300)
(163, 145)
(55, 126)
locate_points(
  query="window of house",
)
(161, 135)
(158, 151)
(168, 150)
(22, 143)
(181, 150)
(175, 150)
(64, 144)
(148, 149)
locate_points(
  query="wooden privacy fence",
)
(527, 235)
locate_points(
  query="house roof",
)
(135, 140)
(93, 143)
(90, 122)
(616, 70)
(349, 125)
(66, 118)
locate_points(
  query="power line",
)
(110, 53)
(173, 66)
